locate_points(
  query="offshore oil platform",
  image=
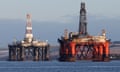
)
(82, 46)
(29, 48)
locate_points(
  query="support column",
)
(38, 53)
(42, 53)
(18, 54)
(14, 54)
(72, 51)
(95, 53)
(35, 54)
(22, 53)
(101, 53)
(10, 53)
(62, 51)
(47, 53)
(107, 51)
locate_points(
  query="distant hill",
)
(10, 29)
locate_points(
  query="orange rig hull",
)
(72, 51)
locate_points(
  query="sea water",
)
(56, 66)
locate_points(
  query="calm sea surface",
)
(55, 66)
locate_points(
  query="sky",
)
(54, 10)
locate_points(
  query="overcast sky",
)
(51, 10)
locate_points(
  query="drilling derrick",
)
(29, 48)
(82, 21)
(28, 34)
(82, 46)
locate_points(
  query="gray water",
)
(55, 66)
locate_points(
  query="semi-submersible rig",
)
(82, 46)
(29, 48)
